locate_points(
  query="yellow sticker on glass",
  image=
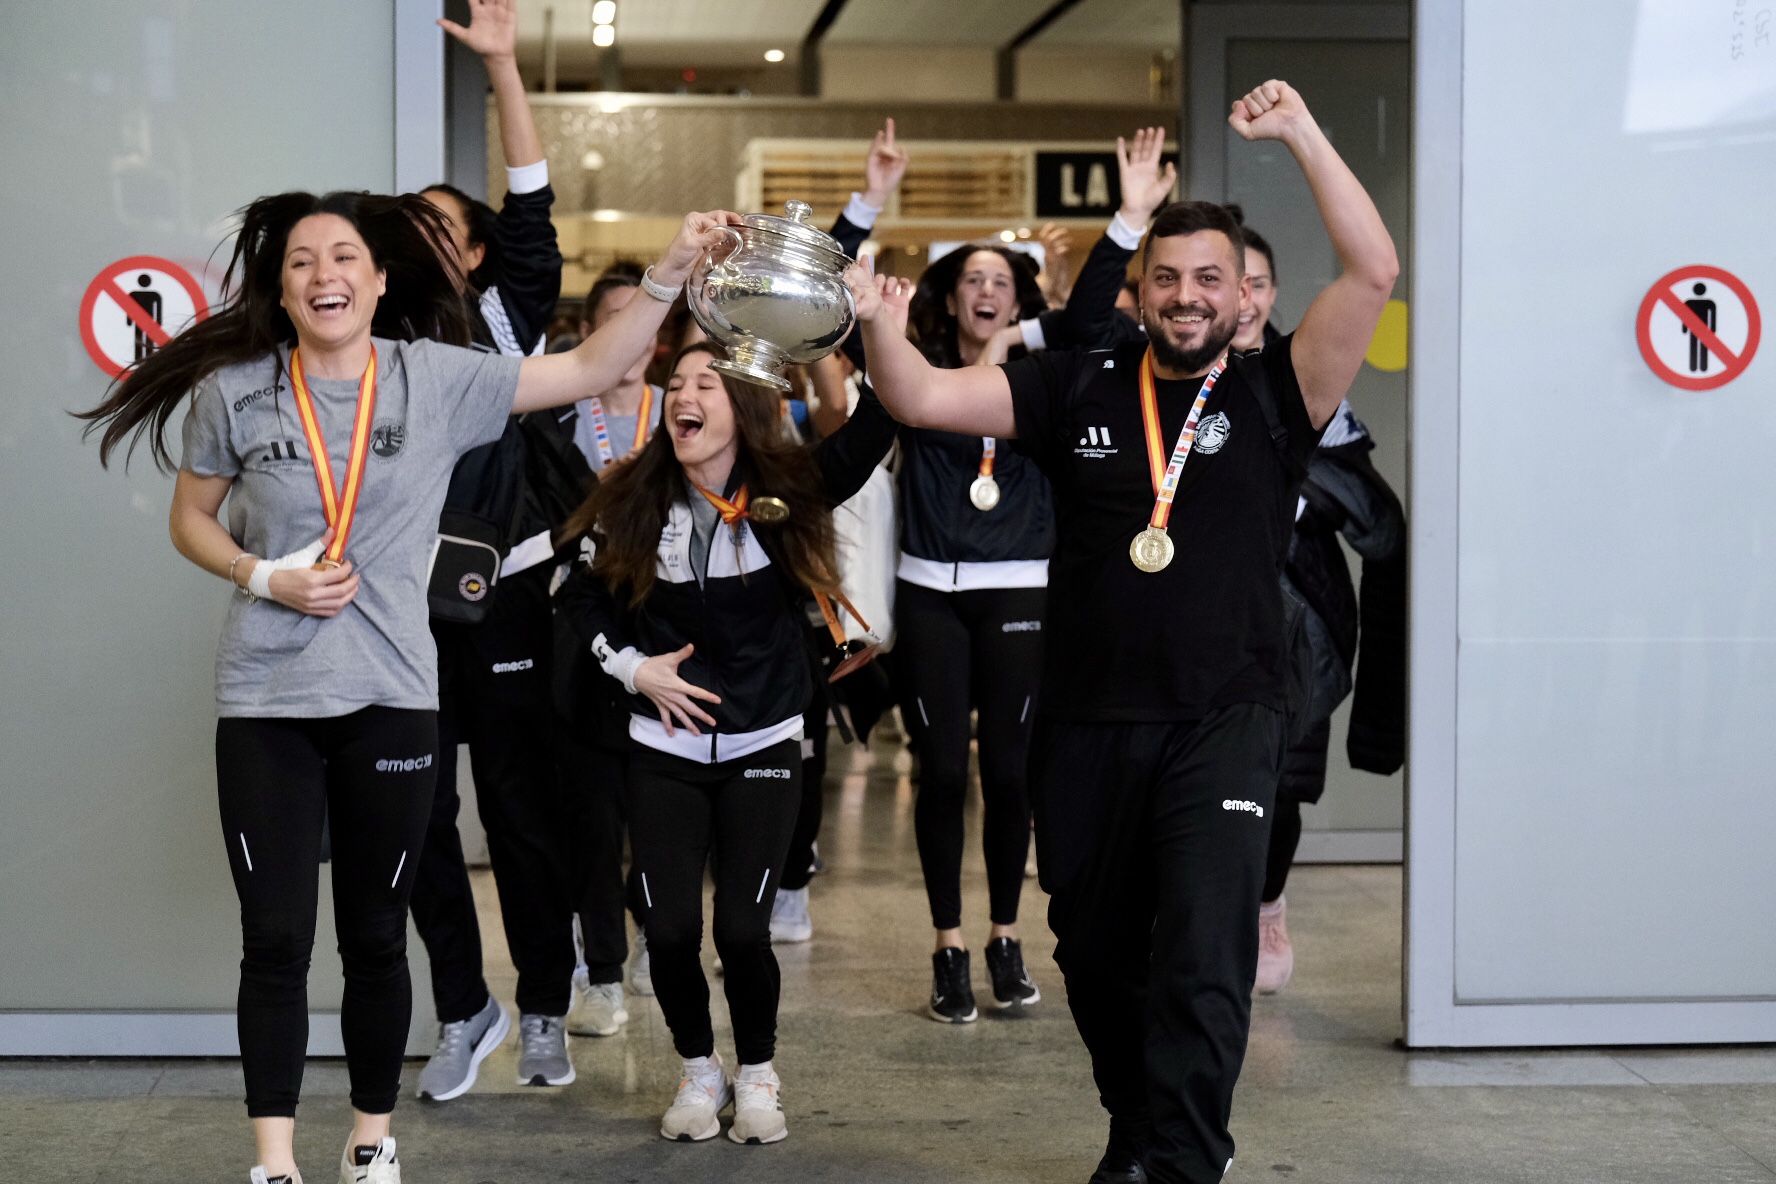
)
(1387, 349)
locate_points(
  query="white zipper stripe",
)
(762, 883)
(646, 895)
(398, 868)
(921, 702)
(1025, 713)
(245, 852)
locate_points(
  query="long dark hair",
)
(629, 507)
(408, 238)
(934, 325)
(483, 224)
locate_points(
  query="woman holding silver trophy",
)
(702, 550)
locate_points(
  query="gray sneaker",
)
(462, 1047)
(599, 1011)
(641, 975)
(542, 1051)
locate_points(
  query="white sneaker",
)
(258, 1176)
(790, 922)
(378, 1167)
(758, 1117)
(641, 975)
(599, 1010)
(1276, 957)
(703, 1092)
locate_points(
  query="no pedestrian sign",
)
(134, 307)
(1698, 328)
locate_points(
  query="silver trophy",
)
(776, 298)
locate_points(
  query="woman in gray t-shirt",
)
(319, 411)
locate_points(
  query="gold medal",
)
(984, 493)
(1151, 550)
(768, 510)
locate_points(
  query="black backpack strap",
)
(1251, 368)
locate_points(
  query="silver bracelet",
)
(657, 290)
(247, 592)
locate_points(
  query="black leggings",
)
(593, 775)
(371, 773)
(678, 810)
(980, 649)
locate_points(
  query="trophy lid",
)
(797, 228)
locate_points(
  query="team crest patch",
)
(1213, 433)
(472, 587)
(387, 437)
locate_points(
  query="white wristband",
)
(259, 580)
(657, 290)
(623, 666)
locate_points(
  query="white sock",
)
(759, 1072)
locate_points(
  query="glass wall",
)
(132, 131)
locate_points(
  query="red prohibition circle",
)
(105, 284)
(1660, 293)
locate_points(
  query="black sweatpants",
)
(593, 777)
(1151, 840)
(1303, 780)
(798, 865)
(277, 782)
(678, 810)
(956, 653)
(494, 694)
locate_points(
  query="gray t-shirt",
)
(621, 428)
(433, 403)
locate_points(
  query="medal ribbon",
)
(989, 447)
(340, 504)
(731, 511)
(832, 617)
(601, 430)
(1165, 475)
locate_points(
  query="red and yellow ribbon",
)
(340, 504)
(1165, 475)
(731, 511)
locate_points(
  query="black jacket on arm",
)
(1089, 319)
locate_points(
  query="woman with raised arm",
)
(331, 337)
(977, 530)
(702, 550)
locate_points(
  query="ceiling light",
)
(604, 36)
(1008, 236)
(773, 55)
(604, 12)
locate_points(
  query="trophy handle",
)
(709, 262)
(700, 276)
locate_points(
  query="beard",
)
(1188, 361)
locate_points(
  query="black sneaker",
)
(1122, 1157)
(1011, 982)
(952, 998)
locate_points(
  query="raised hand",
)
(896, 295)
(492, 31)
(698, 234)
(1056, 279)
(1273, 111)
(658, 679)
(884, 167)
(1145, 185)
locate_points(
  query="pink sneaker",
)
(1276, 958)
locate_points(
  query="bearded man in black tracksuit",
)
(1160, 731)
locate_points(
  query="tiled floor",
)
(875, 1092)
